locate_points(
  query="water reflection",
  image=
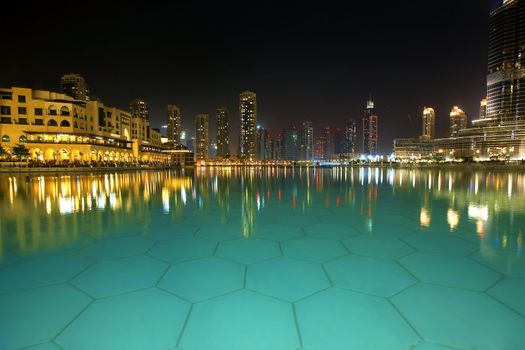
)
(49, 212)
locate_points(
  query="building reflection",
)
(51, 212)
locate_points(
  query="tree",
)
(20, 151)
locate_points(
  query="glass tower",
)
(223, 131)
(174, 124)
(248, 112)
(370, 129)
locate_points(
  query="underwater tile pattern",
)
(203, 262)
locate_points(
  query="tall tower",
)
(74, 85)
(307, 141)
(483, 108)
(429, 123)
(223, 132)
(248, 112)
(328, 146)
(370, 135)
(139, 109)
(506, 63)
(350, 137)
(458, 121)
(174, 124)
(202, 135)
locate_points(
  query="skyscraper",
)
(483, 109)
(458, 121)
(223, 132)
(328, 145)
(350, 138)
(264, 144)
(248, 112)
(370, 136)
(139, 109)
(174, 124)
(339, 142)
(202, 135)
(506, 63)
(429, 123)
(307, 141)
(291, 143)
(74, 85)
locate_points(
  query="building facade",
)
(223, 132)
(248, 113)
(307, 141)
(370, 134)
(350, 140)
(74, 86)
(458, 121)
(429, 123)
(202, 137)
(139, 109)
(174, 124)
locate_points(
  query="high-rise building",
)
(223, 132)
(506, 63)
(328, 145)
(339, 142)
(264, 144)
(320, 147)
(307, 141)
(278, 146)
(483, 109)
(139, 109)
(74, 85)
(291, 144)
(350, 138)
(202, 135)
(370, 135)
(213, 149)
(458, 121)
(174, 124)
(429, 123)
(248, 112)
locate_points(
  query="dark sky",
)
(305, 60)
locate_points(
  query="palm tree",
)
(20, 151)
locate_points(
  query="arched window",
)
(22, 138)
(51, 110)
(52, 122)
(6, 138)
(65, 123)
(64, 111)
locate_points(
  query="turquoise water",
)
(263, 259)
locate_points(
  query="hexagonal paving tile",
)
(331, 231)
(45, 346)
(117, 248)
(148, 319)
(118, 276)
(100, 230)
(248, 250)
(430, 346)
(286, 278)
(41, 271)
(203, 278)
(38, 315)
(168, 231)
(368, 275)
(510, 291)
(435, 243)
(338, 319)
(297, 220)
(220, 233)
(461, 318)
(313, 249)
(276, 232)
(377, 247)
(182, 249)
(241, 320)
(506, 262)
(448, 270)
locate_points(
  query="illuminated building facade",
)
(328, 145)
(370, 135)
(429, 123)
(74, 86)
(483, 109)
(57, 128)
(223, 132)
(307, 141)
(139, 109)
(202, 136)
(264, 144)
(174, 124)
(350, 138)
(458, 121)
(248, 112)
(291, 144)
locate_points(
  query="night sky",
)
(305, 60)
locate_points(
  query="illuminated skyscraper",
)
(291, 144)
(458, 121)
(328, 145)
(223, 132)
(429, 123)
(307, 141)
(139, 109)
(350, 137)
(248, 112)
(203, 141)
(74, 85)
(264, 144)
(174, 124)
(370, 135)
(483, 109)
(506, 63)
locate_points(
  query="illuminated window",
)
(22, 138)
(52, 122)
(52, 110)
(6, 138)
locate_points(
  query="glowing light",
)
(478, 212)
(452, 218)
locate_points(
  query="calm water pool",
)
(267, 259)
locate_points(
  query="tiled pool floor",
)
(310, 279)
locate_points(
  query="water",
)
(263, 259)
